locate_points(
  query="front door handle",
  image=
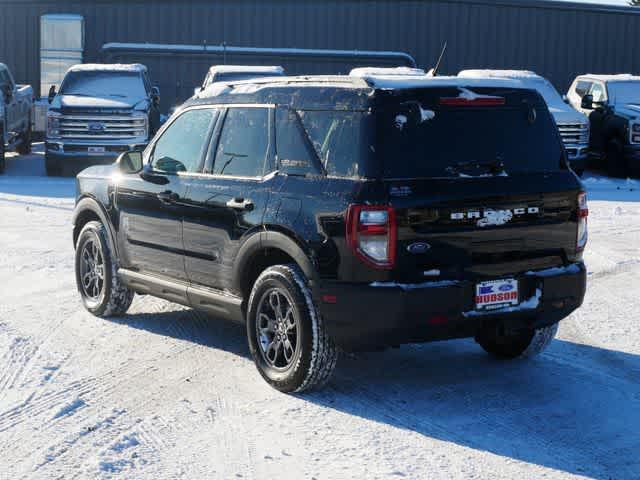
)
(240, 203)
(168, 197)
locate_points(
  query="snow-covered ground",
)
(166, 392)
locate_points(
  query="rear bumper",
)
(372, 316)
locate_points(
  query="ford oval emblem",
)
(418, 247)
(96, 126)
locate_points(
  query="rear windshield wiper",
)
(494, 167)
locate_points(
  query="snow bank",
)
(513, 74)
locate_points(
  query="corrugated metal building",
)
(556, 39)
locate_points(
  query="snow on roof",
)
(108, 67)
(391, 82)
(363, 72)
(619, 77)
(277, 70)
(514, 74)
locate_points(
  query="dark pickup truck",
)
(344, 213)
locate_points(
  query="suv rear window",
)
(419, 136)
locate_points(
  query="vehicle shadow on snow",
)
(575, 408)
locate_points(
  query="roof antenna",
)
(434, 71)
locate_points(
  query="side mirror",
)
(52, 93)
(130, 162)
(155, 94)
(587, 102)
(6, 91)
(149, 175)
(197, 90)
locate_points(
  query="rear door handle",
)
(240, 203)
(168, 197)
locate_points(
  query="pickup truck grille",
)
(101, 127)
(574, 133)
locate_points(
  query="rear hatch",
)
(478, 182)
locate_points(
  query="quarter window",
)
(181, 147)
(244, 143)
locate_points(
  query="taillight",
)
(583, 213)
(372, 233)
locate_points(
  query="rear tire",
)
(524, 345)
(102, 292)
(291, 349)
(25, 142)
(52, 167)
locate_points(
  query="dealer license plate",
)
(95, 150)
(496, 294)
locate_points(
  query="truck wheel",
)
(286, 334)
(52, 167)
(25, 142)
(102, 292)
(616, 164)
(523, 345)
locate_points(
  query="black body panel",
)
(197, 237)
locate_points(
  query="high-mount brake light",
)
(372, 234)
(583, 213)
(472, 102)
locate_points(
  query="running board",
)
(215, 302)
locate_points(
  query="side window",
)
(244, 143)
(296, 155)
(4, 77)
(598, 92)
(336, 137)
(182, 145)
(582, 87)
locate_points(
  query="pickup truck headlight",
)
(53, 125)
(140, 125)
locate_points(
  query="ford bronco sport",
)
(346, 213)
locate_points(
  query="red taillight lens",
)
(372, 233)
(583, 213)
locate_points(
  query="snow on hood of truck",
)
(515, 74)
(395, 71)
(108, 67)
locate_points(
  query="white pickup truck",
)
(16, 102)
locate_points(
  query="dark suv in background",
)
(345, 213)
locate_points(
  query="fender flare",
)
(276, 240)
(89, 203)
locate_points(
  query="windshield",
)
(104, 84)
(624, 92)
(434, 134)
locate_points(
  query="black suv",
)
(346, 213)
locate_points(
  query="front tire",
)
(25, 142)
(102, 292)
(522, 345)
(286, 334)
